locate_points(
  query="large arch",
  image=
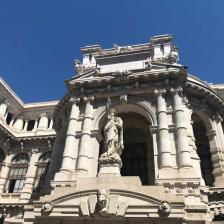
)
(137, 105)
(138, 154)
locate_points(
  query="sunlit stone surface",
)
(136, 139)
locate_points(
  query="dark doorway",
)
(137, 156)
(135, 161)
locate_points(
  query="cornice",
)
(13, 98)
(26, 135)
(203, 91)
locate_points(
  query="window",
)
(42, 171)
(31, 124)
(9, 118)
(17, 173)
(2, 156)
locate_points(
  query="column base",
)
(64, 178)
(109, 170)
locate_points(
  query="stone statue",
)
(102, 201)
(173, 57)
(113, 139)
(78, 66)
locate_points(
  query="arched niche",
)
(201, 126)
(135, 105)
(138, 154)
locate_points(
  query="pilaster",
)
(30, 177)
(5, 171)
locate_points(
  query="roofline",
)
(18, 99)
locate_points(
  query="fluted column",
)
(164, 140)
(85, 146)
(181, 129)
(5, 171)
(43, 123)
(71, 143)
(30, 176)
(3, 108)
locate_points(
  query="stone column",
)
(85, 146)
(11, 122)
(43, 123)
(25, 125)
(215, 136)
(51, 124)
(30, 177)
(5, 172)
(71, 143)
(35, 125)
(181, 129)
(220, 130)
(19, 123)
(163, 130)
(3, 108)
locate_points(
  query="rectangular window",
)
(16, 179)
(40, 178)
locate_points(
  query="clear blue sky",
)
(40, 39)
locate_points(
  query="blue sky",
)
(40, 39)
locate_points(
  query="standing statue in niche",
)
(113, 140)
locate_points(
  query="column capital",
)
(176, 91)
(216, 117)
(160, 92)
(4, 101)
(20, 116)
(89, 99)
(34, 150)
(74, 100)
(44, 114)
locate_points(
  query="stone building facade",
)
(136, 139)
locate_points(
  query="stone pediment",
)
(105, 201)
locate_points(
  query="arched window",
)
(42, 171)
(17, 173)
